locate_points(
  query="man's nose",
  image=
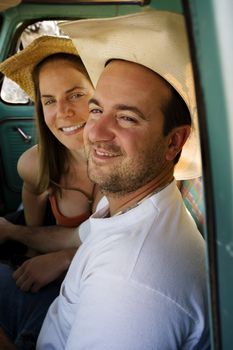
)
(102, 129)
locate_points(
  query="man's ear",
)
(176, 140)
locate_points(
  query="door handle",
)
(26, 138)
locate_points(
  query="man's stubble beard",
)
(129, 175)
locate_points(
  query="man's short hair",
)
(176, 113)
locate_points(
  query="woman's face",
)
(65, 92)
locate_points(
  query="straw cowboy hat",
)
(155, 39)
(19, 67)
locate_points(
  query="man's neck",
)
(122, 203)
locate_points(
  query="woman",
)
(55, 170)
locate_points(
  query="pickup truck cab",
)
(209, 28)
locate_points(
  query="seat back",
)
(192, 193)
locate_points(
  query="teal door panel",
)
(16, 135)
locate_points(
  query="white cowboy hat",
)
(155, 39)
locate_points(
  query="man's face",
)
(123, 136)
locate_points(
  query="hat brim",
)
(19, 67)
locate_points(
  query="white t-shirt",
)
(137, 282)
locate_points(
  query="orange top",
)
(64, 220)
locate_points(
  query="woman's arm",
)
(34, 203)
(42, 239)
(34, 206)
(39, 271)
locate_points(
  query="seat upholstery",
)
(192, 193)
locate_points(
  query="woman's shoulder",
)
(28, 164)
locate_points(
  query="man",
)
(138, 280)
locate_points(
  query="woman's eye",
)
(48, 102)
